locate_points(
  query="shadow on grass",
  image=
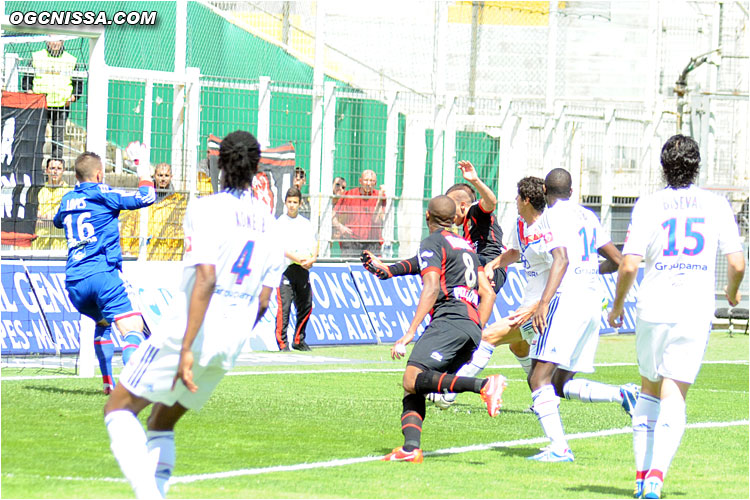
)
(60, 390)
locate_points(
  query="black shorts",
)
(500, 274)
(446, 345)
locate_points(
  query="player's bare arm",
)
(612, 257)
(430, 291)
(486, 299)
(556, 274)
(503, 260)
(625, 278)
(205, 282)
(735, 273)
(487, 199)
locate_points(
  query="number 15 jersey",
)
(230, 230)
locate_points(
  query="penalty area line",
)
(447, 451)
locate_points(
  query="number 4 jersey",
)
(230, 230)
(678, 232)
(89, 216)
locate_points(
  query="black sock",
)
(435, 381)
(411, 420)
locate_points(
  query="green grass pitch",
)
(301, 431)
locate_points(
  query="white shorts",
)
(151, 370)
(671, 350)
(572, 333)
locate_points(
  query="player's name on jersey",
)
(681, 203)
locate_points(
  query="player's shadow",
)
(517, 452)
(60, 390)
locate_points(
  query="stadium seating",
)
(731, 319)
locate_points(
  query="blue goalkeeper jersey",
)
(89, 215)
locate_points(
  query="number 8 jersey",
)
(230, 230)
(678, 232)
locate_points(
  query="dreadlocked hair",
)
(680, 161)
(239, 155)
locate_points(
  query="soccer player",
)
(678, 231)
(301, 252)
(93, 273)
(232, 264)
(483, 232)
(458, 295)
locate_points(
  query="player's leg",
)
(412, 417)
(303, 302)
(520, 350)
(160, 440)
(131, 329)
(645, 415)
(128, 441)
(116, 300)
(284, 302)
(104, 350)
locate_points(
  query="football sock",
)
(589, 391)
(128, 444)
(404, 267)
(132, 340)
(645, 413)
(670, 426)
(105, 350)
(525, 363)
(411, 420)
(547, 408)
(435, 381)
(163, 443)
(479, 361)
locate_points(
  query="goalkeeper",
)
(481, 229)
(93, 273)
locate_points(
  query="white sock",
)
(525, 363)
(163, 442)
(589, 391)
(128, 444)
(547, 408)
(645, 413)
(670, 426)
(479, 361)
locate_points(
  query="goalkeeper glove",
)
(373, 265)
(139, 155)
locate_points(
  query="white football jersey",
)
(678, 232)
(585, 236)
(297, 235)
(231, 231)
(535, 242)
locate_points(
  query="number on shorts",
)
(471, 274)
(241, 266)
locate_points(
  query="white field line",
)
(346, 370)
(349, 461)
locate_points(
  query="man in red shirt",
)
(358, 217)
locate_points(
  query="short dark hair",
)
(462, 186)
(680, 161)
(239, 155)
(293, 192)
(558, 183)
(532, 189)
(46, 165)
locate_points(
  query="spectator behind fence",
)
(163, 181)
(165, 234)
(49, 237)
(300, 179)
(53, 76)
(339, 186)
(358, 217)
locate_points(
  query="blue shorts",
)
(102, 296)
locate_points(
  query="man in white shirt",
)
(301, 251)
(678, 231)
(231, 268)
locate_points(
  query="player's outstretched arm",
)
(203, 289)
(613, 258)
(625, 278)
(503, 260)
(487, 199)
(735, 273)
(384, 272)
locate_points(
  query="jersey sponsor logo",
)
(583, 270)
(75, 204)
(436, 356)
(466, 295)
(423, 258)
(680, 266)
(458, 243)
